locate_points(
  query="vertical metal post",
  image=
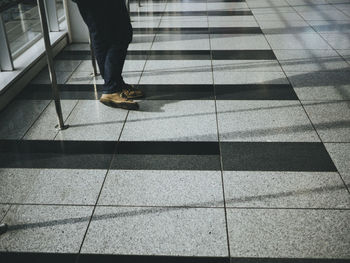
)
(93, 58)
(51, 10)
(3, 228)
(52, 72)
(6, 62)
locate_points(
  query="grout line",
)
(186, 207)
(219, 143)
(154, 39)
(8, 210)
(66, 119)
(102, 186)
(36, 119)
(319, 34)
(303, 106)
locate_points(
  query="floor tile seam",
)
(290, 83)
(320, 35)
(302, 105)
(5, 214)
(154, 38)
(177, 207)
(37, 118)
(347, 187)
(67, 118)
(340, 10)
(113, 156)
(46, 204)
(229, 207)
(344, 183)
(220, 151)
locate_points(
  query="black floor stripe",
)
(20, 257)
(188, 1)
(255, 92)
(56, 154)
(243, 54)
(178, 55)
(198, 30)
(237, 156)
(168, 92)
(195, 13)
(278, 156)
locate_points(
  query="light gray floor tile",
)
(289, 233)
(232, 21)
(247, 65)
(49, 186)
(17, 118)
(285, 190)
(163, 188)
(44, 128)
(297, 41)
(311, 60)
(181, 42)
(78, 46)
(227, 6)
(264, 121)
(3, 211)
(226, 76)
(177, 72)
(275, 9)
(91, 120)
(285, 27)
(184, 21)
(332, 85)
(331, 26)
(85, 66)
(171, 120)
(131, 66)
(157, 231)
(266, 3)
(145, 21)
(149, 7)
(276, 14)
(81, 77)
(66, 65)
(307, 2)
(340, 154)
(238, 41)
(331, 120)
(55, 229)
(141, 42)
(330, 13)
(181, 7)
(338, 40)
(44, 78)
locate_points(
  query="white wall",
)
(78, 31)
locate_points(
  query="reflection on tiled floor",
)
(240, 149)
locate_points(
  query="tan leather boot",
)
(119, 100)
(132, 92)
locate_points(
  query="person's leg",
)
(93, 17)
(114, 63)
(98, 17)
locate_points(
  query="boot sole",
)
(125, 106)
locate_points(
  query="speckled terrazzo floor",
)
(239, 153)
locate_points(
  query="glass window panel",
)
(22, 25)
